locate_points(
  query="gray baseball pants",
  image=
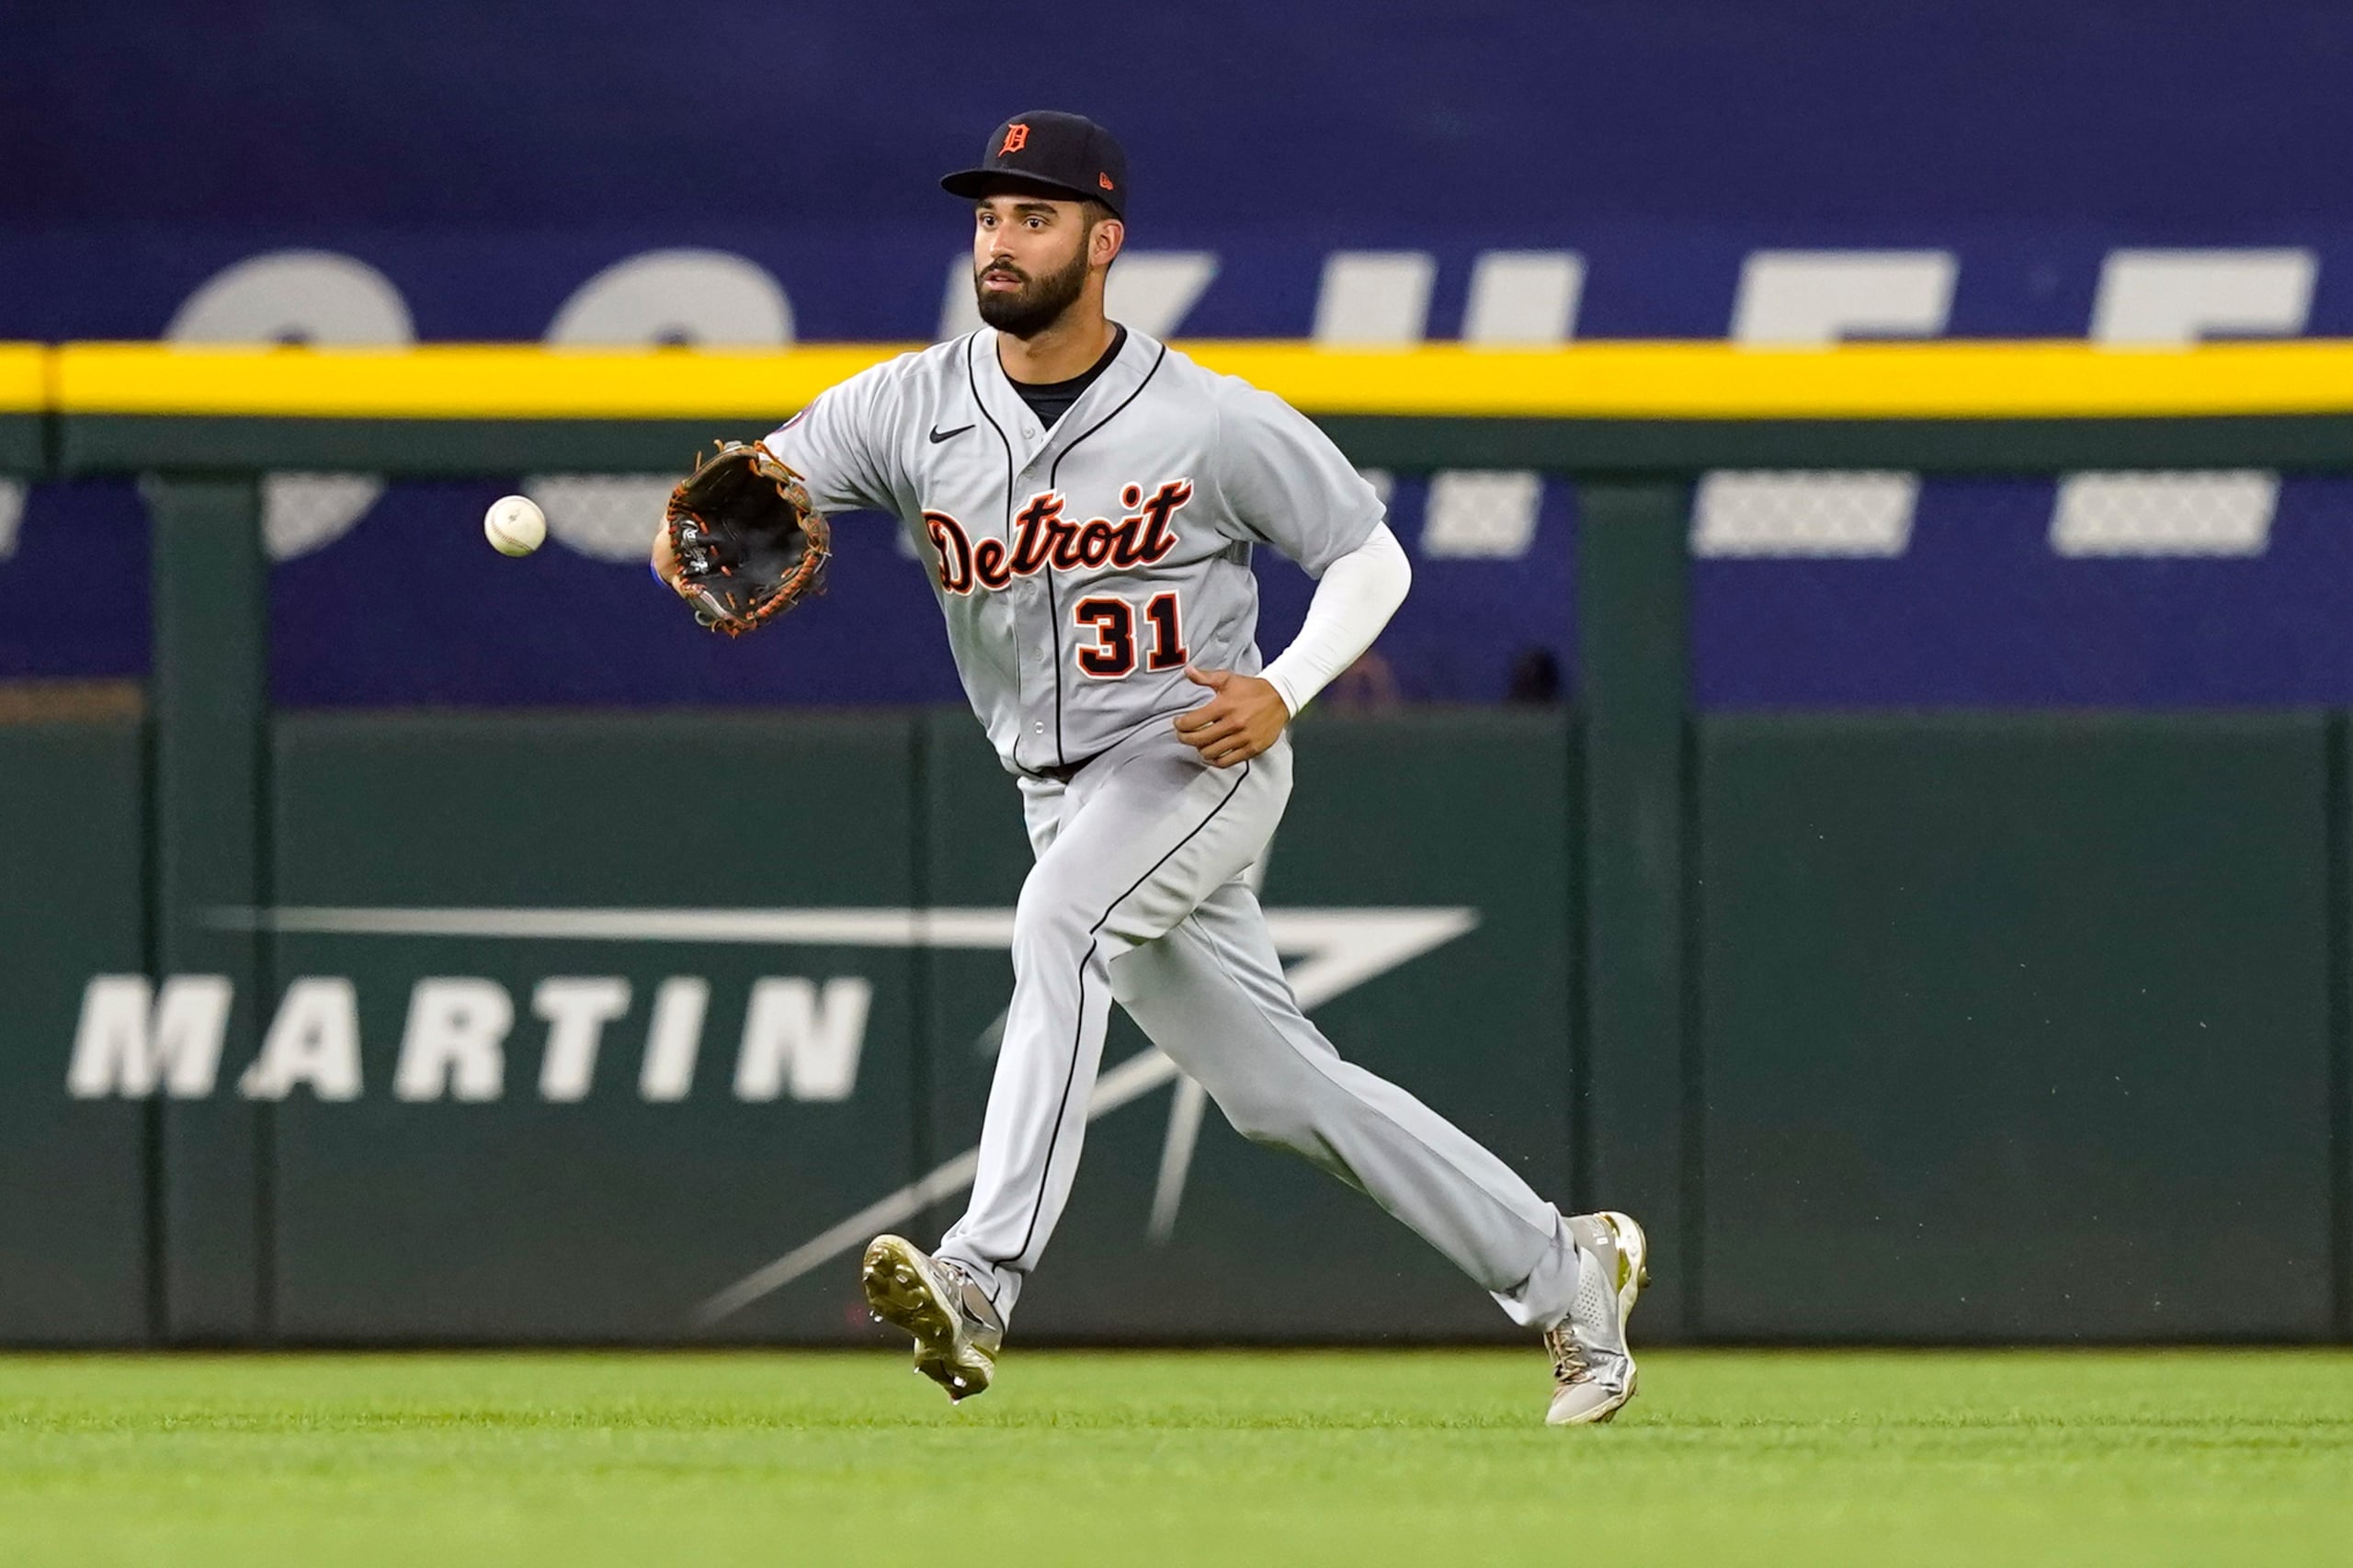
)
(1137, 894)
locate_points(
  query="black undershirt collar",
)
(1051, 400)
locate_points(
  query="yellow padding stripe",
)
(1593, 381)
(24, 378)
(1882, 381)
(451, 381)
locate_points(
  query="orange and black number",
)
(1113, 651)
(1168, 650)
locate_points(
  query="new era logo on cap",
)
(1067, 154)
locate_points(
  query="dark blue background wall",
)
(2203, 121)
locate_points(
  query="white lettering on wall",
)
(1813, 299)
(801, 1039)
(1376, 299)
(454, 1044)
(1523, 299)
(1518, 300)
(576, 1011)
(131, 1041)
(796, 1035)
(673, 1038)
(314, 1042)
(706, 298)
(301, 296)
(2164, 299)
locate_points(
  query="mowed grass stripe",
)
(1174, 1458)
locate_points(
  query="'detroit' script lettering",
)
(1044, 538)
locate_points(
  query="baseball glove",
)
(748, 544)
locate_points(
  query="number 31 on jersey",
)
(1112, 653)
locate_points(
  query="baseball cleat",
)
(956, 1333)
(1592, 1373)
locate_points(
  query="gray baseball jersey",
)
(1081, 568)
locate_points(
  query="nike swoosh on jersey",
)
(938, 434)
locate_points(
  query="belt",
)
(1061, 775)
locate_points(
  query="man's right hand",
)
(665, 559)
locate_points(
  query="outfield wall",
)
(1995, 1027)
(401, 1026)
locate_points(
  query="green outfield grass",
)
(1284, 1458)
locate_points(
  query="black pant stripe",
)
(1062, 1110)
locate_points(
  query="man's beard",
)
(1038, 304)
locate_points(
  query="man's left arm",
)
(1353, 601)
(1283, 481)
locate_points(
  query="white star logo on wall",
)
(1328, 952)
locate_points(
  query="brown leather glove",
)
(749, 545)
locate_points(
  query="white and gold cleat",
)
(1592, 1371)
(956, 1333)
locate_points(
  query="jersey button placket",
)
(1036, 650)
(1034, 597)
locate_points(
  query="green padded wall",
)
(2003, 1027)
(74, 1172)
(2015, 1027)
(609, 1216)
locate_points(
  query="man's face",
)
(1029, 260)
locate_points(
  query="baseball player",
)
(1088, 501)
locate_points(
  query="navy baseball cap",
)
(1067, 154)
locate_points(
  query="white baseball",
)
(514, 525)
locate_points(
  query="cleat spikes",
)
(955, 1344)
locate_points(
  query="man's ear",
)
(1104, 244)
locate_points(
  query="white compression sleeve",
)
(1358, 594)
